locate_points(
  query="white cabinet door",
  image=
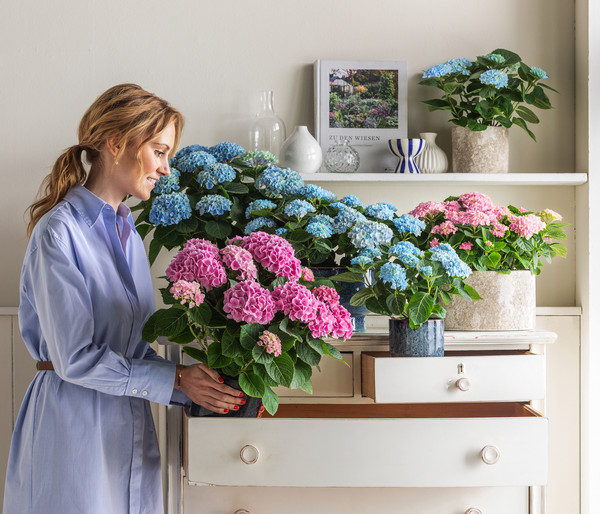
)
(419, 452)
(459, 378)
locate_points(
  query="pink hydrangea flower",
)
(434, 242)
(238, 259)
(476, 218)
(489, 243)
(198, 261)
(271, 341)
(247, 301)
(476, 201)
(323, 323)
(499, 230)
(296, 301)
(451, 205)
(445, 228)
(187, 292)
(274, 254)
(326, 294)
(527, 226)
(308, 275)
(342, 327)
(500, 211)
(467, 245)
(427, 208)
(548, 215)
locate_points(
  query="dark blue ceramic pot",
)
(426, 341)
(346, 291)
(251, 409)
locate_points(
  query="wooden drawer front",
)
(334, 380)
(367, 452)
(300, 500)
(502, 378)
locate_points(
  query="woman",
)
(84, 441)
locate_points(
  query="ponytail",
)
(67, 172)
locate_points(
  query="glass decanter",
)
(268, 130)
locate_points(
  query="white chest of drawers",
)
(464, 433)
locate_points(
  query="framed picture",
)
(364, 102)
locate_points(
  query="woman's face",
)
(130, 179)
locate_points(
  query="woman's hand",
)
(205, 387)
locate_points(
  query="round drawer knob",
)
(490, 454)
(464, 384)
(473, 510)
(249, 454)
(242, 511)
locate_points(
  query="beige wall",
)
(211, 59)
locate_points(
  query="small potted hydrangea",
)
(484, 98)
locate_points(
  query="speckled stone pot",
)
(508, 303)
(485, 151)
(426, 341)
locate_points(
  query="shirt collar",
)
(89, 206)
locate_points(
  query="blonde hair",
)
(126, 112)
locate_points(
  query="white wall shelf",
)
(508, 179)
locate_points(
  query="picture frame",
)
(364, 102)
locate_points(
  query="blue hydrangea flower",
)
(381, 211)
(214, 174)
(275, 182)
(213, 204)
(191, 162)
(394, 275)
(538, 72)
(437, 71)
(322, 218)
(361, 260)
(496, 58)
(167, 183)
(298, 208)
(427, 270)
(370, 234)
(405, 223)
(352, 201)
(258, 223)
(346, 218)
(451, 262)
(259, 205)
(310, 191)
(281, 231)
(494, 78)
(460, 65)
(170, 209)
(226, 151)
(318, 229)
(371, 253)
(258, 158)
(185, 151)
(407, 252)
(338, 205)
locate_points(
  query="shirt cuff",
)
(151, 380)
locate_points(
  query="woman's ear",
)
(113, 144)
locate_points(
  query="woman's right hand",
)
(205, 387)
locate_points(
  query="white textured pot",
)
(485, 151)
(432, 159)
(508, 303)
(301, 152)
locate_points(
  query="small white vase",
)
(432, 159)
(301, 152)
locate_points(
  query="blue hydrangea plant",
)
(494, 90)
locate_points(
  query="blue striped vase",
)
(406, 149)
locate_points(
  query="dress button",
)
(134, 391)
(144, 393)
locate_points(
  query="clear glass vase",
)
(268, 130)
(342, 158)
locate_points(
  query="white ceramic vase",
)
(508, 303)
(484, 151)
(301, 152)
(432, 159)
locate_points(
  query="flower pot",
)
(251, 409)
(301, 152)
(426, 341)
(484, 151)
(346, 290)
(508, 303)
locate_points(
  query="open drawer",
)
(456, 377)
(419, 445)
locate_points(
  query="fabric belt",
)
(44, 366)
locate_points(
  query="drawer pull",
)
(490, 454)
(463, 383)
(472, 510)
(249, 454)
(244, 511)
